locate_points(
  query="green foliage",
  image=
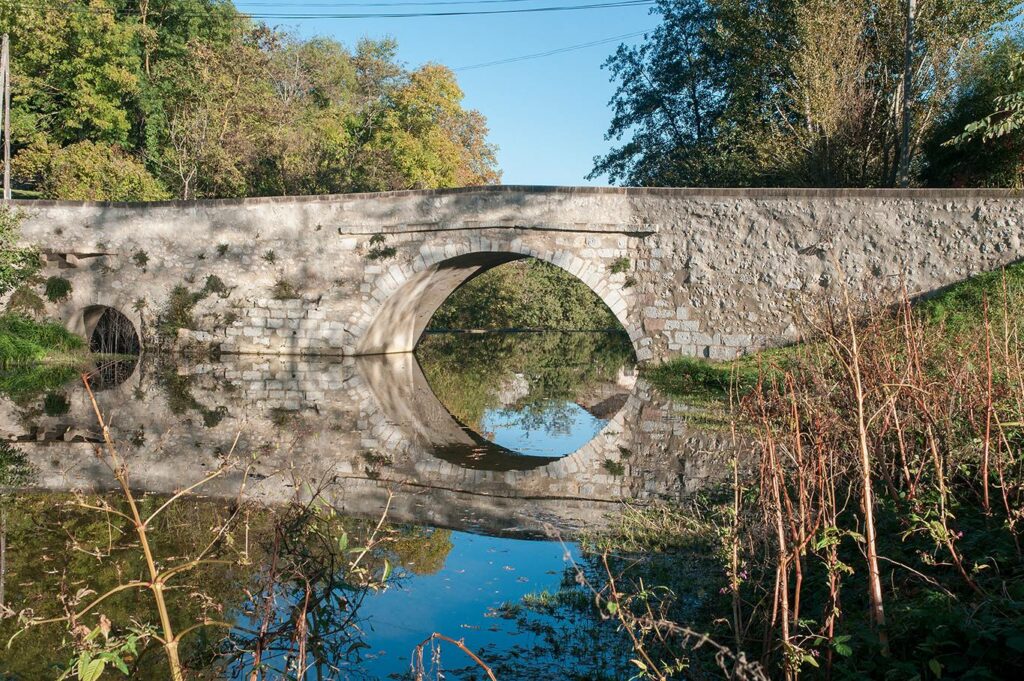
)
(467, 372)
(87, 171)
(141, 259)
(177, 312)
(270, 257)
(17, 263)
(788, 93)
(57, 289)
(24, 382)
(524, 294)
(961, 308)
(24, 340)
(1008, 116)
(222, 249)
(619, 266)
(207, 102)
(957, 310)
(981, 156)
(15, 468)
(701, 380)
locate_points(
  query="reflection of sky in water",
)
(459, 601)
(462, 600)
(557, 429)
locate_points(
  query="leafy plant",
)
(17, 263)
(57, 289)
(284, 290)
(619, 265)
(378, 251)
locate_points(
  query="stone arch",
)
(405, 296)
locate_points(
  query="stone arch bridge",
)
(687, 271)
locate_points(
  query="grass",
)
(23, 340)
(36, 356)
(702, 381)
(952, 311)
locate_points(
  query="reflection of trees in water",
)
(111, 373)
(288, 582)
(466, 371)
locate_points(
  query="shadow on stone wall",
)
(358, 429)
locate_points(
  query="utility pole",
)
(908, 62)
(5, 57)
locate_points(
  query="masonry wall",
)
(706, 272)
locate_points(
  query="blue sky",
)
(548, 116)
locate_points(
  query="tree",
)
(978, 141)
(74, 72)
(213, 104)
(797, 92)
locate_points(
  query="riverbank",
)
(879, 534)
(37, 356)
(955, 312)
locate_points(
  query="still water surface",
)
(498, 450)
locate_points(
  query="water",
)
(495, 451)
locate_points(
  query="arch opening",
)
(110, 332)
(544, 368)
(410, 297)
(113, 338)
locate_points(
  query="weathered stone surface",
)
(710, 272)
(361, 427)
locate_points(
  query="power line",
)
(366, 15)
(400, 3)
(548, 53)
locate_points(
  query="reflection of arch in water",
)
(405, 297)
(404, 412)
(110, 332)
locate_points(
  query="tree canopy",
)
(795, 92)
(128, 100)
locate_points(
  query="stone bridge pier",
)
(697, 272)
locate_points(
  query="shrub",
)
(284, 290)
(57, 289)
(17, 263)
(177, 313)
(619, 266)
(86, 171)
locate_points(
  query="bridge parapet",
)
(687, 271)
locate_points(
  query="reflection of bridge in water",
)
(358, 429)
